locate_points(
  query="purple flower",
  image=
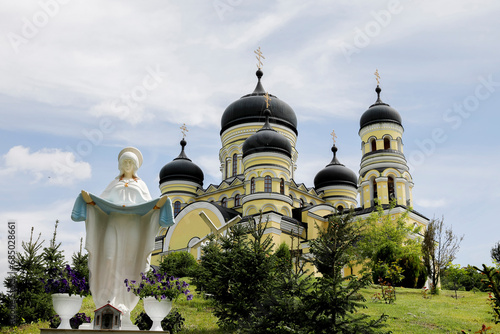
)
(190, 297)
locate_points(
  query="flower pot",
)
(66, 307)
(157, 310)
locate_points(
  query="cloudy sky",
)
(80, 80)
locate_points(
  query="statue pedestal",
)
(87, 331)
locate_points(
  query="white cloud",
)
(56, 166)
(133, 114)
(432, 203)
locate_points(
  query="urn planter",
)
(157, 310)
(66, 307)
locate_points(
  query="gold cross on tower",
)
(268, 99)
(259, 57)
(377, 77)
(333, 136)
(184, 129)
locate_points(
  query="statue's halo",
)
(134, 151)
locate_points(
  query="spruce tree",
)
(53, 257)
(80, 262)
(335, 299)
(26, 299)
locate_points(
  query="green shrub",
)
(179, 264)
(172, 323)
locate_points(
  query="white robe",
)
(119, 244)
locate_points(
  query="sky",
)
(80, 80)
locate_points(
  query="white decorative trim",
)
(380, 126)
(263, 195)
(272, 230)
(183, 182)
(184, 212)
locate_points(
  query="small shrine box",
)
(107, 317)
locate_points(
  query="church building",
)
(258, 158)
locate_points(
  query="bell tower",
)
(384, 174)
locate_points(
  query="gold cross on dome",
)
(377, 77)
(184, 129)
(268, 99)
(333, 136)
(259, 57)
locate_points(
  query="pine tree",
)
(80, 262)
(53, 257)
(335, 298)
(26, 299)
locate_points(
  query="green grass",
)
(410, 314)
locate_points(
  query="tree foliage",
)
(236, 270)
(492, 281)
(439, 249)
(389, 240)
(335, 298)
(253, 292)
(26, 300)
(80, 262)
(53, 257)
(179, 264)
(495, 252)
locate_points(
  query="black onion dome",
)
(379, 112)
(335, 174)
(182, 169)
(267, 140)
(248, 109)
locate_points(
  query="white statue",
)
(121, 226)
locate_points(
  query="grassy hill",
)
(411, 313)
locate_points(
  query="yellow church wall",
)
(241, 132)
(379, 133)
(192, 225)
(177, 187)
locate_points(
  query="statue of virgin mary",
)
(121, 225)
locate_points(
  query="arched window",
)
(302, 203)
(237, 200)
(374, 145)
(226, 171)
(390, 187)
(252, 185)
(375, 192)
(282, 186)
(177, 208)
(387, 144)
(235, 164)
(340, 208)
(223, 202)
(268, 184)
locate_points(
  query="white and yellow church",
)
(257, 160)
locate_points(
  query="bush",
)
(172, 323)
(179, 264)
(74, 322)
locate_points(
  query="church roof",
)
(334, 174)
(249, 109)
(182, 169)
(267, 140)
(379, 112)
